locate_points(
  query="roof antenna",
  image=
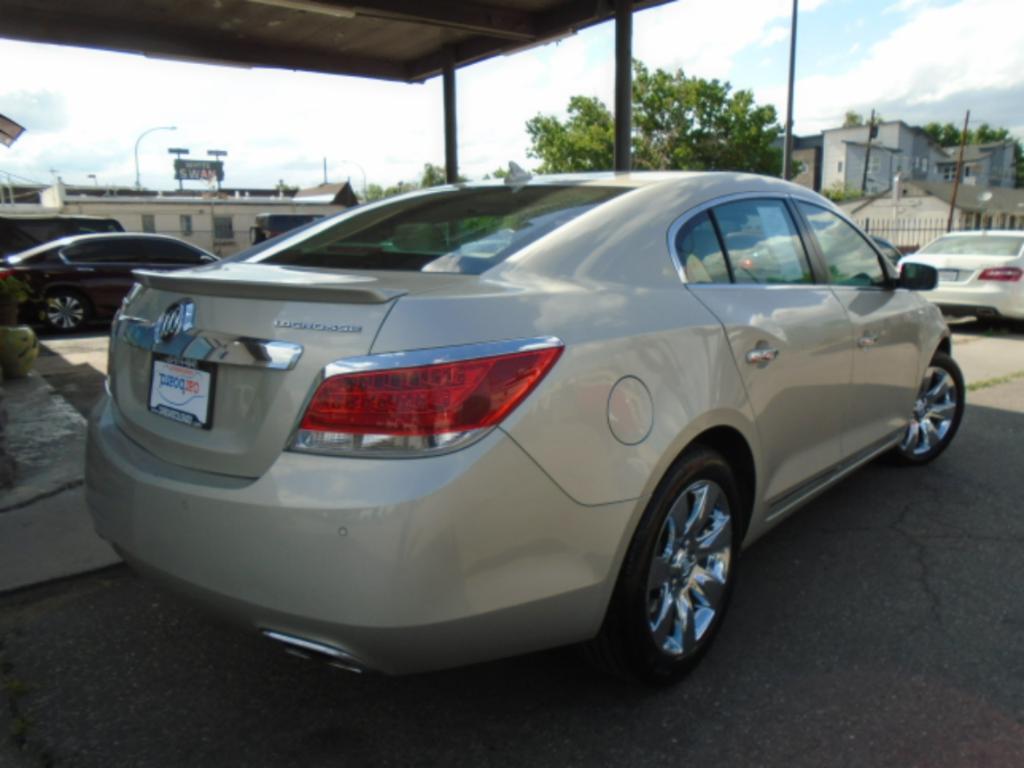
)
(517, 177)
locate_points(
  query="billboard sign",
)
(198, 170)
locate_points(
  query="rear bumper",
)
(989, 299)
(405, 565)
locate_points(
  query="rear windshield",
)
(464, 231)
(982, 245)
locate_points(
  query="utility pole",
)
(787, 142)
(959, 170)
(867, 155)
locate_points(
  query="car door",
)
(886, 331)
(102, 269)
(790, 336)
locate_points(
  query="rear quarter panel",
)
(663, 337)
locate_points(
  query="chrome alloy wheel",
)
(65, 311)
(686, 584)
(934, 411)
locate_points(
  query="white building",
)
(912, 153)
(219, 222)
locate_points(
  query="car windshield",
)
(982, 245)
(464, 231)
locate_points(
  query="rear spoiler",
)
(259, 281)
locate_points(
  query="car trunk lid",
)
(260, 336)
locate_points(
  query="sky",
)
(915, 60)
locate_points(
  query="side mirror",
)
(918, 277)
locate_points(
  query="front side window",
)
(464, 231)
(104, 252)
(169, 252)
(699, 252)
(761, 243)
(850, 260)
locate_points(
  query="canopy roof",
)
(403, 40)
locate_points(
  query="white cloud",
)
(904, 6)
(929, 59)
(774, 35)
(704, 36)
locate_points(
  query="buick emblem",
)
(176, 318)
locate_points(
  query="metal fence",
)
(905, 234)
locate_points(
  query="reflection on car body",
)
(572, 404)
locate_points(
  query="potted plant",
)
(19, 346)
(13, 293)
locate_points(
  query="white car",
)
(981, 273)
(488, 419)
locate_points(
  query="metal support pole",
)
(867, 155)
(959, 170)
(451, 147)
(787, 142)
(623, 84)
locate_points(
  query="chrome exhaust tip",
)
(310, 649)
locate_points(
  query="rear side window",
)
(105, 252)
(761, 243)
(849, 258)
(700, 253)
(464, 231)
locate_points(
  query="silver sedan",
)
(487, 419)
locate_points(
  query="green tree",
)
(853, 119)
(433, 176)
(679, 122)
(584, 142)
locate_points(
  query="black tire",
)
(66, 311)
(626, 645)
(918, 447)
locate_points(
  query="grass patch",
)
(986, 383)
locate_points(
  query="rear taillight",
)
(382, 405)
(1003, 274)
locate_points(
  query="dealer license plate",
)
(949, 275)
(181, 392)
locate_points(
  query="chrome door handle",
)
(762, 355)
(867, 340)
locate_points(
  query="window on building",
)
(874, 164)
(186, 224)
(223, 228)
(839, 168)
(148, 222)
(948, 172)
(924, 164)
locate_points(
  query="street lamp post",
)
(138, 184)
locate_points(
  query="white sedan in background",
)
(981, 273)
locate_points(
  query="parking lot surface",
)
(880, 626)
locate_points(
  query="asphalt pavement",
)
(882, 625)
